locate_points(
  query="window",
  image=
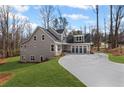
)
(34, 37)
(76, 49)
(43, 37)
(80, 38)
(59, 47)
(23, 57)
(32, 58)
(85, 49)
(80, 49)
(77, 39)
(52, 47)
(72, 49)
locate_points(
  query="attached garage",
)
(80, 48)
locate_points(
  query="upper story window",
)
(77, 39)
(52, 47)
(43, 37)
(80, 38)
(35, 37)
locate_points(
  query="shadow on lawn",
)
(13, 66)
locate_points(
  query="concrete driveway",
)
(94, 70)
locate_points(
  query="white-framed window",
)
(80, 49)
(76, 49)
(73, 50)
(52, 48)
(59, 47)
(43, 37)
(32, 58)
(35, 38)
(23, 57)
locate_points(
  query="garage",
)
(80, 48)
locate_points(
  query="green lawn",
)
(47, 74)
(118, 59)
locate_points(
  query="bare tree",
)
(111, 28)
(11, 30)
(105, 32)
(97, 19)
(118, 15)
(4, 25)
(47, 15)
(29, 29)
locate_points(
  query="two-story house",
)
(47, 43)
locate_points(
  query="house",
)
(46, 43)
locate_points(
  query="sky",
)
(77, 16)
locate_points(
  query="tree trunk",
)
(98, 37)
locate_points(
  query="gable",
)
(38, 30)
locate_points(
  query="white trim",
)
(41, 37)
(24, 58)
(54, 48)
(34, 58)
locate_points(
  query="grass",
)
(117, 59)
(47, 74)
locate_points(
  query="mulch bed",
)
(117, 51)
(2, 61)
(4, 77)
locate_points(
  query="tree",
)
(60, 23)
(97, 20)
(118, 15)
(111, 28)
(11, 31)
(47, 15)
(105, 33)
(4, 25)
(29, 29)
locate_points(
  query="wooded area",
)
(11, 31)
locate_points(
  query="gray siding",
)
(38, 47)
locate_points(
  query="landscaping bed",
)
(116, 51)
(117, 59)
(4, 77)
(2, 61)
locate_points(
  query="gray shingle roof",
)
(60, 31)
(51, 34)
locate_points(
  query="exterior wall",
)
(78, 38)
(42, 48)
(58, 49)
(38, 47)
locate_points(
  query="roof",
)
(60, 31)
(52, 35)
(50, 32)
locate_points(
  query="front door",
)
(41, 58)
